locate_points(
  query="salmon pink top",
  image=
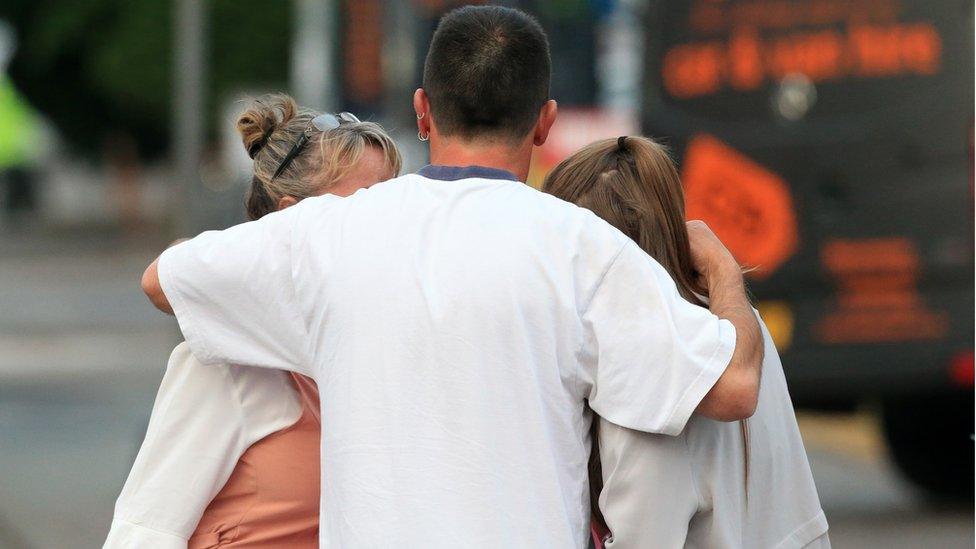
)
(272, 498)
(230, 459)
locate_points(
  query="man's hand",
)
(736, 393)
(707, 251)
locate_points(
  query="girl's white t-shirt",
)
(690, 490)
(456, 322)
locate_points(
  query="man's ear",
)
(547, 117)
(286, 201)
(421, 107)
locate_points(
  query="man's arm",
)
(736, 393)
(233, 295)
(152, 288)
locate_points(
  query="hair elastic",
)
(622, 142)
(256, 147)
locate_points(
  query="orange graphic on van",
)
(748, 206)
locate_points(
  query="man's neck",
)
(452, 152)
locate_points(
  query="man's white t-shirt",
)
(693, 490)
(455, 321)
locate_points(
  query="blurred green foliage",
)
(103, 69)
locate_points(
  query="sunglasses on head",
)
(322, 123)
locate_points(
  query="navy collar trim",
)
(454, 173)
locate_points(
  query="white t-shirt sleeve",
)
(650, 356)
(203, 420)
(649, 488)
(234, 295)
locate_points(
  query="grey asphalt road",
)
(81, 356)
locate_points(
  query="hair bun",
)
(262, 118)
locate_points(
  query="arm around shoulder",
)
(736, 393)
(233, 294)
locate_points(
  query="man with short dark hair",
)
(457, 321)
(497, 46)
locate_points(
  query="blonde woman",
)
(717, 485)
(231, 454)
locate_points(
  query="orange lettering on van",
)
(816, 55)
(692, 70)
(877, 294)
(921, 49)
(745, 58)
(898, 49)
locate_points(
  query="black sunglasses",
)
(322, 123)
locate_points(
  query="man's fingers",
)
(707, 251)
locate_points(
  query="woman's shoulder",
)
(183, 365)
(204, 418)
(261, 400)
